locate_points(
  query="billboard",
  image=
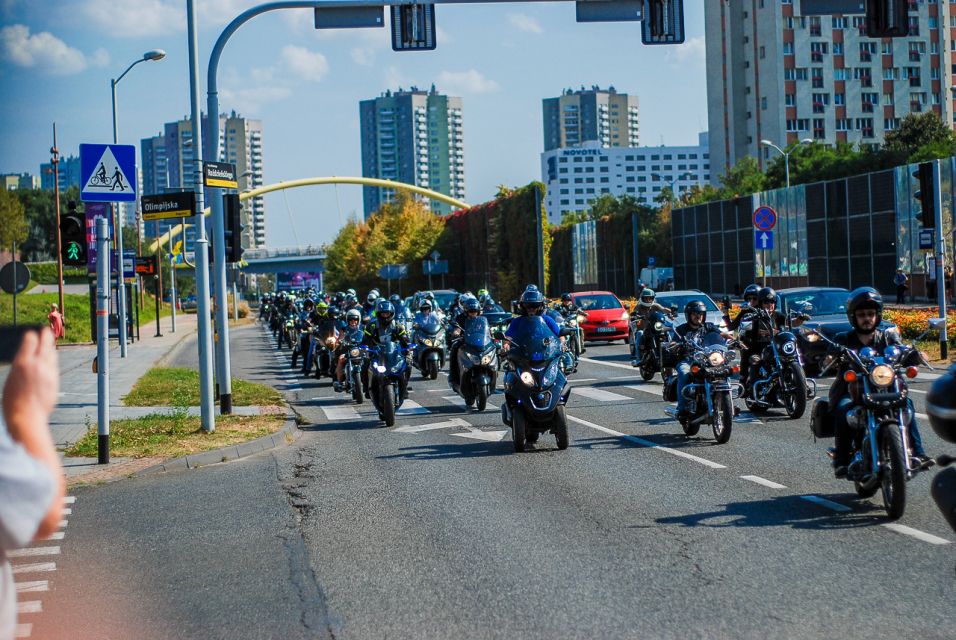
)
(298, 280)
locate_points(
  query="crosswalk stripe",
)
(36, 567)
(69, 499)
(33, 551)
(30, 606)
(32, 586)
(341, 413)
(598, 394)
(411, 408)
(24, 630)
(456, 400)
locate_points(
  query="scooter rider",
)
(353, 321)
(645, 306)
(423, 314)
(531, 309)
(864, 310)
(383, 326)
(695, 328)
(471, 308)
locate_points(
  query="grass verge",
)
(178, 387)
(175, 434)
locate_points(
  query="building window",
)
(790, 100)
(839, 99)
(838, 48)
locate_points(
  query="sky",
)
(57, 58)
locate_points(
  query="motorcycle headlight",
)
(428, 342)
(812, 336)
(330, 342)
(788, 348)
(354, 353)
(486, 359)
(716, 359)
(882, 375)
(527, 378)
(572, 323)
(380, 368)
(582, 318)
(658, 326)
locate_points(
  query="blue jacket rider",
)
(531, 304)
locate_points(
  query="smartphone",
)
(10, 339)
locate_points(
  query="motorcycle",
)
(777, 378)
(322, 349)
(881, 457)
(388, 367)
(477, 363)
(302, 344)
(710, 394)
(536, 388)
(288, 333)
(649, 343)
(429, 347)
(355, 354)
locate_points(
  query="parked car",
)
(189, 303)
(676, 300)
(827, 309)
(606, 317)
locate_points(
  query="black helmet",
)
(566, 297)
(864, 298)
(941, 406)
(695, 306)
(751, 291)
(384, 310)
(531, 299)
(471, 304)
(767, 295)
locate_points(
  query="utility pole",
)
(55, 159)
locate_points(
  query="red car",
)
(607, 319)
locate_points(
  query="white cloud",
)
(136, 18)
(364, 56)
(465, 82)
(691, 52)
(44, 51)
(251, 100)
(307, 65)
(524, 22)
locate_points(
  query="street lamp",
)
(152, 54)
(670, 183)
(786, 154)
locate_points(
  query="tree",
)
(743, 178)
(13, 223)
(919, 134)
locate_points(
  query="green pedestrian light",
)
(73, 251)
(73, 235)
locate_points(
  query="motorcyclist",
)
(384, 326)
(566, 307)
(750, 302)
(454, 309)
(304, 320)
(353, 321)
(531, 310)
(323, 324)
(765, 321)
(864, 310)
(423, 314)
(483, 295)
(693, 329)
(368, 308)
(471, 308)
(646, 306)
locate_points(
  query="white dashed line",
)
(57, 536)
(455, 400)
(33, 552)
(30, 606)
(648, 443)
(607, 364)
(829, 504)
(584, 379)
(916, 533)
(67, 511)
(763, 481)
(599, 394)
(411, 408)
(34, 586)
(69, 499)
(36, 567)
(23, 630)
(340, 413)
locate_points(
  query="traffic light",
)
(232, 227)
(926, 194)
(413, 27)
(663, 22)
(887, 18)
(73, 237)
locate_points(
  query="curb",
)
(174, 350)
(286, 435)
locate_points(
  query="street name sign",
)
(219, 174)
(179, 204)
(926, 239)
(763, 240)
(393, 271)
(108, 173)
(765, 218)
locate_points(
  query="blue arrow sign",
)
(763, 240)
(108, 173)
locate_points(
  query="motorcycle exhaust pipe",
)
(944, 494)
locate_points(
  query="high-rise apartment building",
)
(591, 115)
(14, 181)
(69, 172)
(167, 164)
(414, 137)
(777, 72)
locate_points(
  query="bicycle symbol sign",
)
(107, 173)
(765, 218)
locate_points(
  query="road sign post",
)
(764, 219)
(102, 342)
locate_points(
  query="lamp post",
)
(670, 183)
(151, 55)
(786, 154)
(55, 161)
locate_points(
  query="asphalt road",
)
(358, 531)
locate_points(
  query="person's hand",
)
(34, 382)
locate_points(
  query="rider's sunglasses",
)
(866, 313)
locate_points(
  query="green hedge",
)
(45, 273)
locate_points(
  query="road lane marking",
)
(584, 379)
(607, 364)
(69, 499)
(36, 567)
(63, 523)
(456, 400)
(916, 533)
(340, 413)
(475, 433)
(57, 536)
(445, 424)
(411, 408)
(67, 511)
(829, 504)
(24, 630)
(33, 551)
(631, 377)
(30, 606)
(763, 481)
(32, 586)
(599, 394)
(649, 444)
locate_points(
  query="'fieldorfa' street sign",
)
(180, 204)
(219, 174)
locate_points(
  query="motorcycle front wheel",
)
(431, 370)
(481, 398)
(356, 387)
(647, 367)
(560, 428)
(893, 470)
(518, 429)
(388, 405)
(795, 390)
(723, 418)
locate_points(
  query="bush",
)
(45, 273)
(913, 322)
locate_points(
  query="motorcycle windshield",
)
(430, 325)
(476, 332)
(710, 339)
(353, 336)
(390, 354)
(535, 342)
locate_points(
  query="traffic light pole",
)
(102, 340)
(55, 160)
(940, 256)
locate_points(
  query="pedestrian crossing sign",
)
(107, 173)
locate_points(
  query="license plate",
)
(606, 329)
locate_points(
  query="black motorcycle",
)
(288, 334)
(429, 347)
(776, 377)
(355, 355)
(650, 341)
(536, 387)
(388, 368)
(477, 362)
(323, 348)
(302, 345)
(710, 394)
(881, 457)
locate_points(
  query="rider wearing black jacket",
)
(765, 321)
(376, 331)
(864, 310)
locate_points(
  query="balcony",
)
(866, 81)
(866, 56)
(916, 107)
(916, 82)
(867, 107)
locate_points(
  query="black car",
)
(827, 309)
